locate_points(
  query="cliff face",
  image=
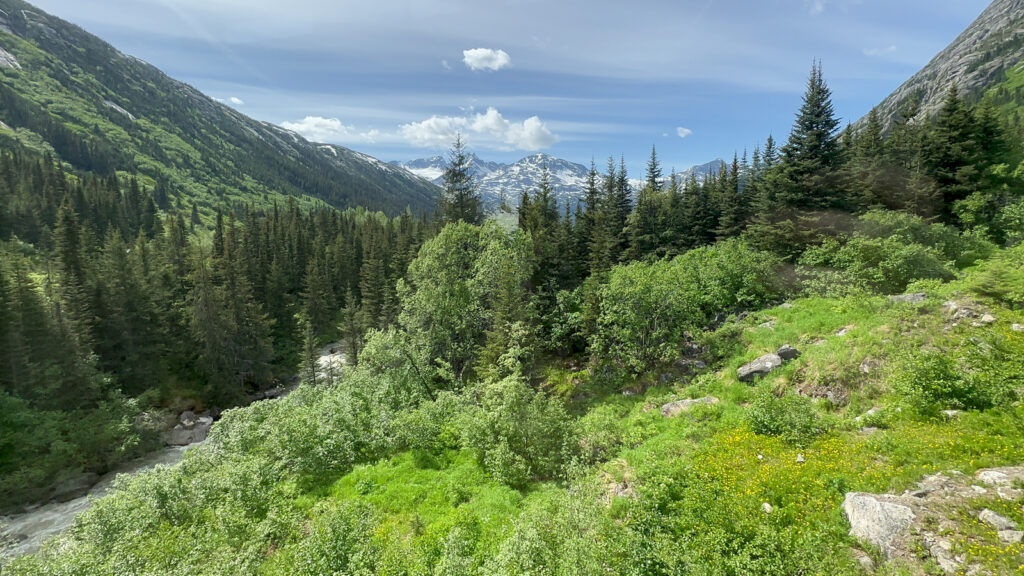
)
(974, 61)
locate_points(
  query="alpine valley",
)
(228, 350)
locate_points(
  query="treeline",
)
(108, 307)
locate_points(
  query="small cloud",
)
(664, 134)
(486, 59)
(815, 7)
(236, 101)
(683, 132)
(491, 128)
(319, 129)
(875, 52)
(446, 65)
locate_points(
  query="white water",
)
(28, 531)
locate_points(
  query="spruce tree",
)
(460, 199)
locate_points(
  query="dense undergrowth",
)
(378, 473)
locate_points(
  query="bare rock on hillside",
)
(760, 367)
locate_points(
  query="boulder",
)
(673, 409)
(187, 418)
(909, 298)
(786, 306)
(844, 330)
(877, 520)
(183, 435)
(1017, 327)
(763, 365)
(787, 352)
(1011, 537)
(996, 521)
(75, 487)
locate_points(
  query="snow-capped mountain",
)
(494, 179)
(568, 179)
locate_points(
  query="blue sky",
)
(698, 79)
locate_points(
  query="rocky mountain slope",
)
(65, 91)
(976, 60)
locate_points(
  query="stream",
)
(25, 533)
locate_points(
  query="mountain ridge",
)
(100, 110)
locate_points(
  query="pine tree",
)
(460, 199)
(812, 154)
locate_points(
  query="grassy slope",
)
(423, 500)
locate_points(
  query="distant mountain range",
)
(68, 93)
(568, 179)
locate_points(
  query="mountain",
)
(568, 179)
(65, 91)
(975, 61)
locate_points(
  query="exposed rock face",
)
(190, 429)
(673, 409)
(759, 367)
(879, 519)
(909, 298)
(996, 521)
(973, 62)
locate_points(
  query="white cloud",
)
(446, 65)
(815, 7)
(683, 132)
(486, 59)
(880, 51)
(236, 101)
(319, 129)
(489, 129)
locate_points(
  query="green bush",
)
(647, 311)
(1002, 277)
(885, 265)
(518, 433)
(790, 416)
(933, 381)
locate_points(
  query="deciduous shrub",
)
(789, 416)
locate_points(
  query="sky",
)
(581, 80)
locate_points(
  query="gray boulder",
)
(878, 520)
(1011, 537)
(673, 409)
(760, 367)
(183, 435)
(75, 487)
(787, 353)
(996, 521)
(909, 298)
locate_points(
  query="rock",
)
(786, 306)
(1017, 327)
(844, 330)
(787, 352)
(909, 298)
(819, 342)
(182, 435)
(942, 551)
(75, 487)
(769, 324)
(869, 365)
(951, 414)
(1011, 537)
(876, 520)
(673, 409)
(800, 459)
(835, 395)
(987, 319)
(996, 521)
(865, 561)
(869, 430)
(760, 367)
(187, 418)
(766, 508)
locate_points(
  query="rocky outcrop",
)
(927, 518)
(189, 430)
(916, 298)
(975, 60)
(763, 365)
(767, 363)
(673, 409)
(879, 519)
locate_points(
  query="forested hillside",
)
(705, 381)
(67, 92)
